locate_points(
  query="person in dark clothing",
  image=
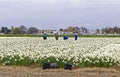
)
(76, 36)
(44, 36)
(65, 37)
(56, 36)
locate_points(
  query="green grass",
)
(33, 35)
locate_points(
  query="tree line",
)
(19, 30)
(33, 30)
(109, 30)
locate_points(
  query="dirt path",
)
(12, 71)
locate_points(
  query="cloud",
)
(77, 3)
(40, 1)
(104, 3)
(68, 3)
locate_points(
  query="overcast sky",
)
(55, 14)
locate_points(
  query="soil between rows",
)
(17, 71)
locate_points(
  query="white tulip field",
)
(84, 52)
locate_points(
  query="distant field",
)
(85, 52)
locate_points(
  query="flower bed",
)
(85, 52)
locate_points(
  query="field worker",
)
(65, 37)
(56, 36)
(76, 36)
(44, 36)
